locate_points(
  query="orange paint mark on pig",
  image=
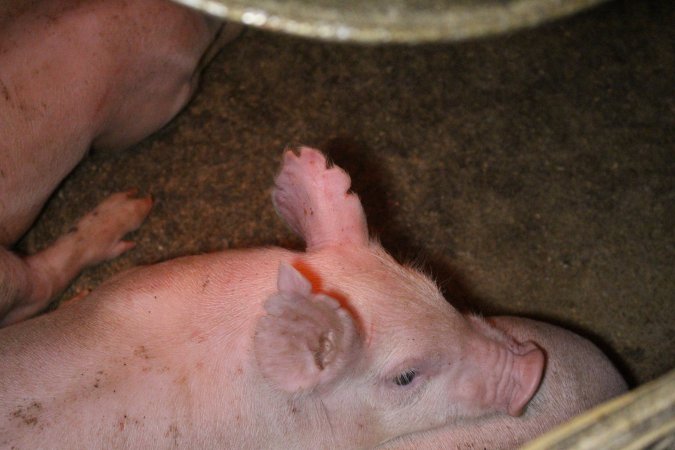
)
(310, 274)
(317, 288)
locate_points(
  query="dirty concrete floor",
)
(532, 173)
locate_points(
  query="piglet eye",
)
(406, 377)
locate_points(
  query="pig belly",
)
(133, 364)
(568, 388)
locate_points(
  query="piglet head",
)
(496, 373)
(305, 339)
(374, 341)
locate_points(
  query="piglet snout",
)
(528, 369)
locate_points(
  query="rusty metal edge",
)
(332, 24)
(642, 418)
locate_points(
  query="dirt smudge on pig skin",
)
(125, 420)
(142, 352)
(173, 433)
(28, 415)
(205, 283)
(97, 380)
(181, 380)
(5, 90)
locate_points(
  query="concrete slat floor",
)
(532, 173)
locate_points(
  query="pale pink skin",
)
(74, 75)
(577, 377)
(264, 348)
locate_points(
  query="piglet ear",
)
(528, 370)
(315, 201)
(305, 339)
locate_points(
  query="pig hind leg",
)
(315, 201)
(28, 284)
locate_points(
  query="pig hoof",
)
(315, 200)
(95, 238)
(99, 233)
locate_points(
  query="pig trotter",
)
(33, 281)
(315, 201)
